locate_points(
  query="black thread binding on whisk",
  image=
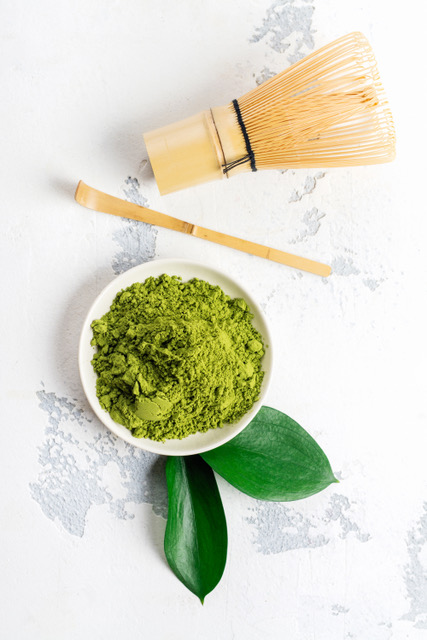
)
(250, 155)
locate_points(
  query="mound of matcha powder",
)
(176, 357)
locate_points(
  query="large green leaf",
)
(196, 531)
(273, 458)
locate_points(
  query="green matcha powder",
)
(175, 358)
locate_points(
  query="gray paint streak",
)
(279, 527)
(309, 186)
(416, 572)
(136, 239)
(265, 74)
(371, 283)
(342, 266)
(388, 625)
(77, 461)
(338, 608)
(311, 219)
(288, 27)
(338, 505)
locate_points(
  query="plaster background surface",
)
(83, 514)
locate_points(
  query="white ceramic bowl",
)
(199, 442)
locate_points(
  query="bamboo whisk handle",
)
(196, 150)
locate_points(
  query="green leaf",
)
(196, 531)
(273, 458)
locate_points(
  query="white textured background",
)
(82, 515)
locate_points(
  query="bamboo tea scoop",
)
(99, 201)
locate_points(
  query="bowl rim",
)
(192, 444)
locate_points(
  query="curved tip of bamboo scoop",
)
(78, 190)
(84, 195)
(100, 201)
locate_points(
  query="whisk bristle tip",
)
(334, 94)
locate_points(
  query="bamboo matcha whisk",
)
(327, 110)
